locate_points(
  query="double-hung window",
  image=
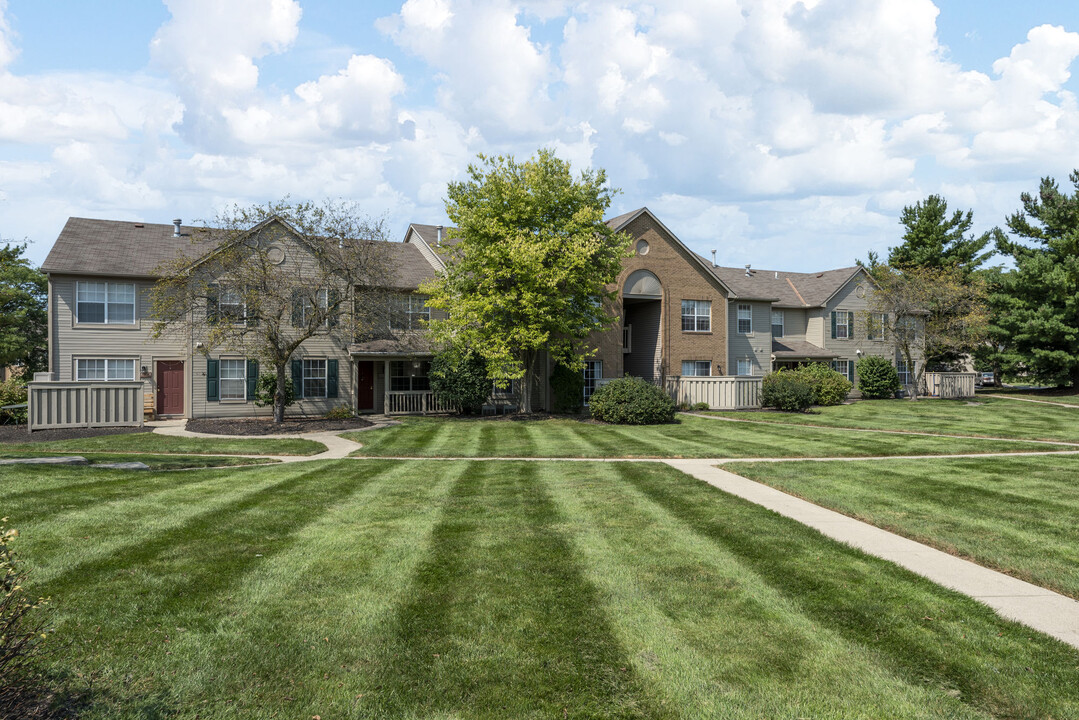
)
(410, 377)
(696, 315)
(105, 302)
(314, 378)
(696, 368)
(233, 379)
(104, 369)
(777, 323)
(904, 372)
(842, 320)
(409, 312)
(230, 305)
(307, 307)
(745, 366)
(844, 368)
(876, 323)
(593, 371)
(745, 319)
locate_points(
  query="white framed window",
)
(876, 324)
(410, 312)
(778, 321)
(696, 315)
(745, 366)
(230, 305)
(842, 324)
(842, 367)
(307, 307)
(234, 379)
(745, 320)
(314, 378)
(507, 388)
(406, 376)
(696, 368)
(593, 371)
(904, 372)
(104, 369)
(105, 303)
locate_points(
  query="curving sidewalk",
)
(337, 447)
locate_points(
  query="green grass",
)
(1068, 395)
(494, 590)
(991, 417)
(1014, 514)
(156, 462)
(690, 437)
(157, 443)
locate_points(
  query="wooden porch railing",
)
(414, 402)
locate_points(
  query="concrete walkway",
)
(337, 447)
(1033, 606)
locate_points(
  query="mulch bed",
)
(19, 434)
(231, 426)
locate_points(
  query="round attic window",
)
(276, 255)
(642, 247)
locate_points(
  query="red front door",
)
(170, 387)
(365, 385)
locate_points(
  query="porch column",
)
(386, 387)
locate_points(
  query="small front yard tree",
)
(24, 292)
(263, 279)
(929, 312)
(531, 266)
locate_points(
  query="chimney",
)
(176, 227)
(747, 271)
(713, 258)
(438, 243)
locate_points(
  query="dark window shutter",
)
(883, 325)
(850, 371)
(297, 310)
(212, 306)
(211, 380)
(833, 324)
(331, 378)
(850, 326)
(871, 320)
(333, 297)
(297, 378)
(252, 378)
(833, 362)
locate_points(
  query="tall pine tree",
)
(934, 240)
(1036, 306)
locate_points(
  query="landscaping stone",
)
(65, 460)
(124, 466)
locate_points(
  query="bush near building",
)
(787, 390)
(877, 378)
(631, 401)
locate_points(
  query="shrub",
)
(631, 401)
(829, 387)
(701, 406)
(460, 380)
(341, 412)
(13, 392)
(786, 390)
(877, 378)
(567, 386)
(22, 627)
(267, 386)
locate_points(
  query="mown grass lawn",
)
(156, 462)
(1014, 514)
(689, 437)
(157, 443)
(986, 416)
(419, 589)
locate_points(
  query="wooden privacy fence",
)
(720, 393)
(949, 385)
(84, 404)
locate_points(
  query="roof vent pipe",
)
(176, 227)
(713, 258)
(747, 271)
(438, 242)
(777, 274)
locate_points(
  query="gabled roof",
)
(790, 289)
(791, 349)
(117, 248)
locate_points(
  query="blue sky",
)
(783, 133)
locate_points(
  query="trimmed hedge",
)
(460, 380)
(829, 386)
(786, 390)
(877, 378)
(631, 401)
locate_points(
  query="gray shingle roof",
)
(790, 289)
(429, 234)
(788, 348)
(127, 249)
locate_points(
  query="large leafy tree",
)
(24, 292)
(1036, 306)
(268, 277)
(531, 267)
(929, 312)
(935, 239)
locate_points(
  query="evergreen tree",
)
(936, 240)
(1036, 306)
(24, 292)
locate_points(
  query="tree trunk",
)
(917, 374)
(1075, 376)
(279, 395)
(526, 391)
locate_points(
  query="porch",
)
(396, 385)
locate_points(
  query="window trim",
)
(410, 315)
(76, 314)
(738, 367)
(738, 318)
(782, 323)
(844, 324)
(592, 371)
(425, 365)
(902, 363)
(697, 365)
(697, 316)
(221, 379)
(304, 377)
(241, 303)
(105, 368)
(305, 303)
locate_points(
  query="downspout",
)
(51, 309)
